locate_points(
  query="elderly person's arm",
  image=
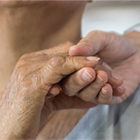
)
(26, 104)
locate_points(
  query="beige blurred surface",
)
(114, 15)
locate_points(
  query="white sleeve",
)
(134, 28)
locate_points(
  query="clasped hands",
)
(68, 77)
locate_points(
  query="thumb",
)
(90, 45)
(111, 47)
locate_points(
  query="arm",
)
(25, 104)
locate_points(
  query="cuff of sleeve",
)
(134, 28)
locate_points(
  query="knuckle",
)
(24, 56)
(69, 93)
(116, 83)
(78, 82)
(95, 87)
(68, 43)
(98, 34)
(121, 99)
(84, 42)
(86, 98)
(67, 90)
(20, 72)
(95, 32)
(103, 101)
(56, 61)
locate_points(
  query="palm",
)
(129, 70)
(118, 52)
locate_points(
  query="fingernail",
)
(121, 87)
(86, 76)
(99, 79)
(104, 91)
(117, 77)
(93, 58)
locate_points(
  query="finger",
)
(118, 99)
(91, 91)
(107, 44)
(58, 67)
(119, 91)
(113, 79)
(54, 90)
(90, 45)
(75, 82)
(105, 95)
(107, 66)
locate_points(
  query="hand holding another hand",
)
(28, 100)
(120, 52)
(26, 103)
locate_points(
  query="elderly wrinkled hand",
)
(31, 93)
(25, 104)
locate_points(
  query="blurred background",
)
(111, 15)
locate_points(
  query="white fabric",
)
(121, 121)
(134, 28)
(116, 16)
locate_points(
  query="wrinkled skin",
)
(24, 105)
(122, 53)
(27, 99)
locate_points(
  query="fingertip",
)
(80, 50)
(118, 78)
(119, 91)
(102, 76)
(107, 90)
(105, 96)
(90, 73)
(115, 80)
(55, 90)
(73, 50)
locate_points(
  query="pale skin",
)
(107, 50)
(26, 35)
